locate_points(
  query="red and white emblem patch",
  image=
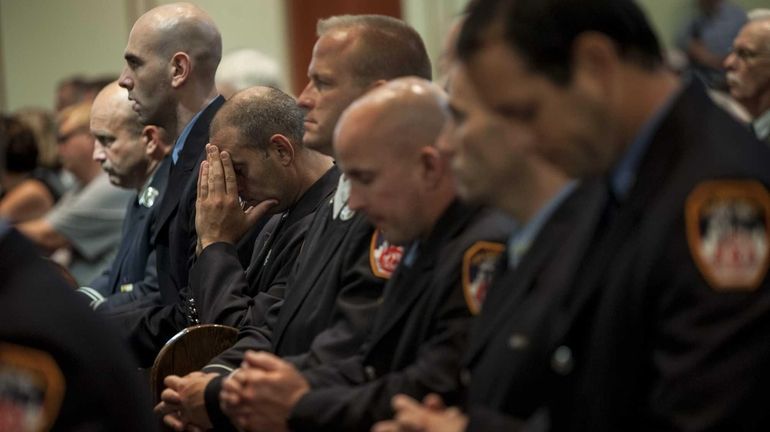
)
(479, 264)
(383, 256)
(727, 231)
(31, 389)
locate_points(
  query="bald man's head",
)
(407, 112)
(125, 149)
(171, 59)
(182, 27)
(112, 104)
(385, 143)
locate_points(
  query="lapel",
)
(665, 149)
(549, 265)
(139, 229)
(409, 284)
(134, 216)
(262, 245)
(321, 244)
(182, 173)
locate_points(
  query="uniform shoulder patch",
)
(479, 263)
(383, 256)
(728, 232)
(31, 389)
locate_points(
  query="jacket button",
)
(370, 372)
(518, 341)
(465, 377)
(562, 362)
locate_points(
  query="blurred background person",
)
(42, 124)
(246, 68)
(23, 195)
(748, 71)
(707, 39)
(69, 92)
(86, 221)
(76, 89)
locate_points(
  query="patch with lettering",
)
(479, 264)
(383, 256)
(31, 389)
(727, 232)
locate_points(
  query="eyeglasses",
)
(62, 138)
(749, 55)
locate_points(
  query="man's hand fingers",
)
(203, 181)
(173, 422)
(385, 426)
(262, 360)
(172, 381)
(231, 184)
(433, 402)
(401, 402)
(215, 177)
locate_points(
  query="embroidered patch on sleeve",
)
(31, 389)
(383, 256)
(479, 264)
(727, 232)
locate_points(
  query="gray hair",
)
(246, 68)
(758, 15)
(258, 113)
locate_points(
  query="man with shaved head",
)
(386, 144)
(131, 155)
(171, 60)
(748, 71)
(87, 219)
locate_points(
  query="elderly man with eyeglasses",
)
(748, 71)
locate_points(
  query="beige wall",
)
(669, 15)
(432, 18)
(42, 41)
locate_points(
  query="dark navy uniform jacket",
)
(226, 294)
(329, 303)
(658, 330)
(57, 356)
(134, 264)
(148, 328)
(419, 336)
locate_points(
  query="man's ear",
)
(154, 140)
(181, 68)
(595, 59)
(282, 148)
(432, 166)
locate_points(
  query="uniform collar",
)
(761, 126)
(623, 175)
(523, 236)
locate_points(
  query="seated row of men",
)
(350, 235)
